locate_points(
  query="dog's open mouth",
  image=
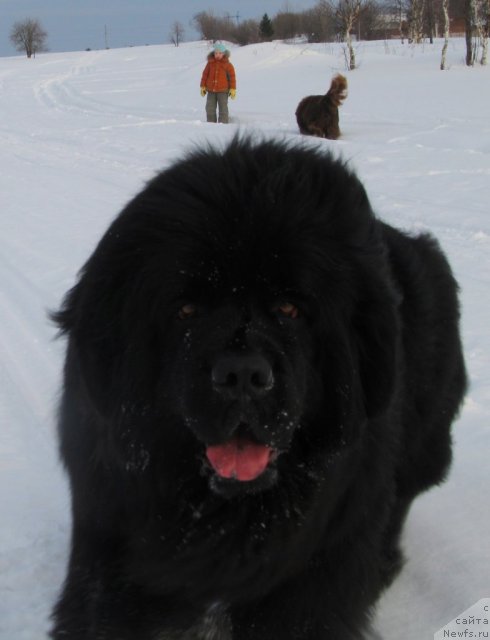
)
(240, 458)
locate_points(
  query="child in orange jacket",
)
(218, 81)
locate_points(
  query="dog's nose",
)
(238, 375)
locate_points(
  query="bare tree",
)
(395, 12)
(482, 27)
(431, 19)
(445, 13)
(247, 32)
(29, 36)
(484, 56)
(212, 27)
(177, 33)
(346, 13)
(469, 19)
(477, 18)
(371, 21)
(401, 18)
(318, 23)
(286, 25)
(415, 18)
(208, 25)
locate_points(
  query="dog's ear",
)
(109, 356)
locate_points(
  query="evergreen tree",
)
(266, 30)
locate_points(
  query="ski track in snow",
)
(81, 133)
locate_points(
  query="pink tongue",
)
(239, 458)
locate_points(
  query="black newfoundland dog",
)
(260, 377)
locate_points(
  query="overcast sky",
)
(80, 24)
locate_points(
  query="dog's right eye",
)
(187, 311)
(287, 310)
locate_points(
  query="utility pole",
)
(106, 38)
(230, 17)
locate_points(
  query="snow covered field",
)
(80, 133)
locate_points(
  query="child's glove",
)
(232, 93)
(203, 91)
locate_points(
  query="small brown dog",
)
(319, 115)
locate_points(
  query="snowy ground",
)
(80, 133)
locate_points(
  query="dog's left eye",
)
(187, 311)
(287, 310)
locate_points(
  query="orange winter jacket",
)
(218, 75)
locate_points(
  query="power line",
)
(235, 17)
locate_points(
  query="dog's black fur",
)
(250, 290)
(319, 115)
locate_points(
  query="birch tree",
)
(415, 18)
(346, 12)
(445, 14)
(477, 18)
(482, 27)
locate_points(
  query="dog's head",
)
(238, 314)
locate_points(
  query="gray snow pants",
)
(219, 100)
